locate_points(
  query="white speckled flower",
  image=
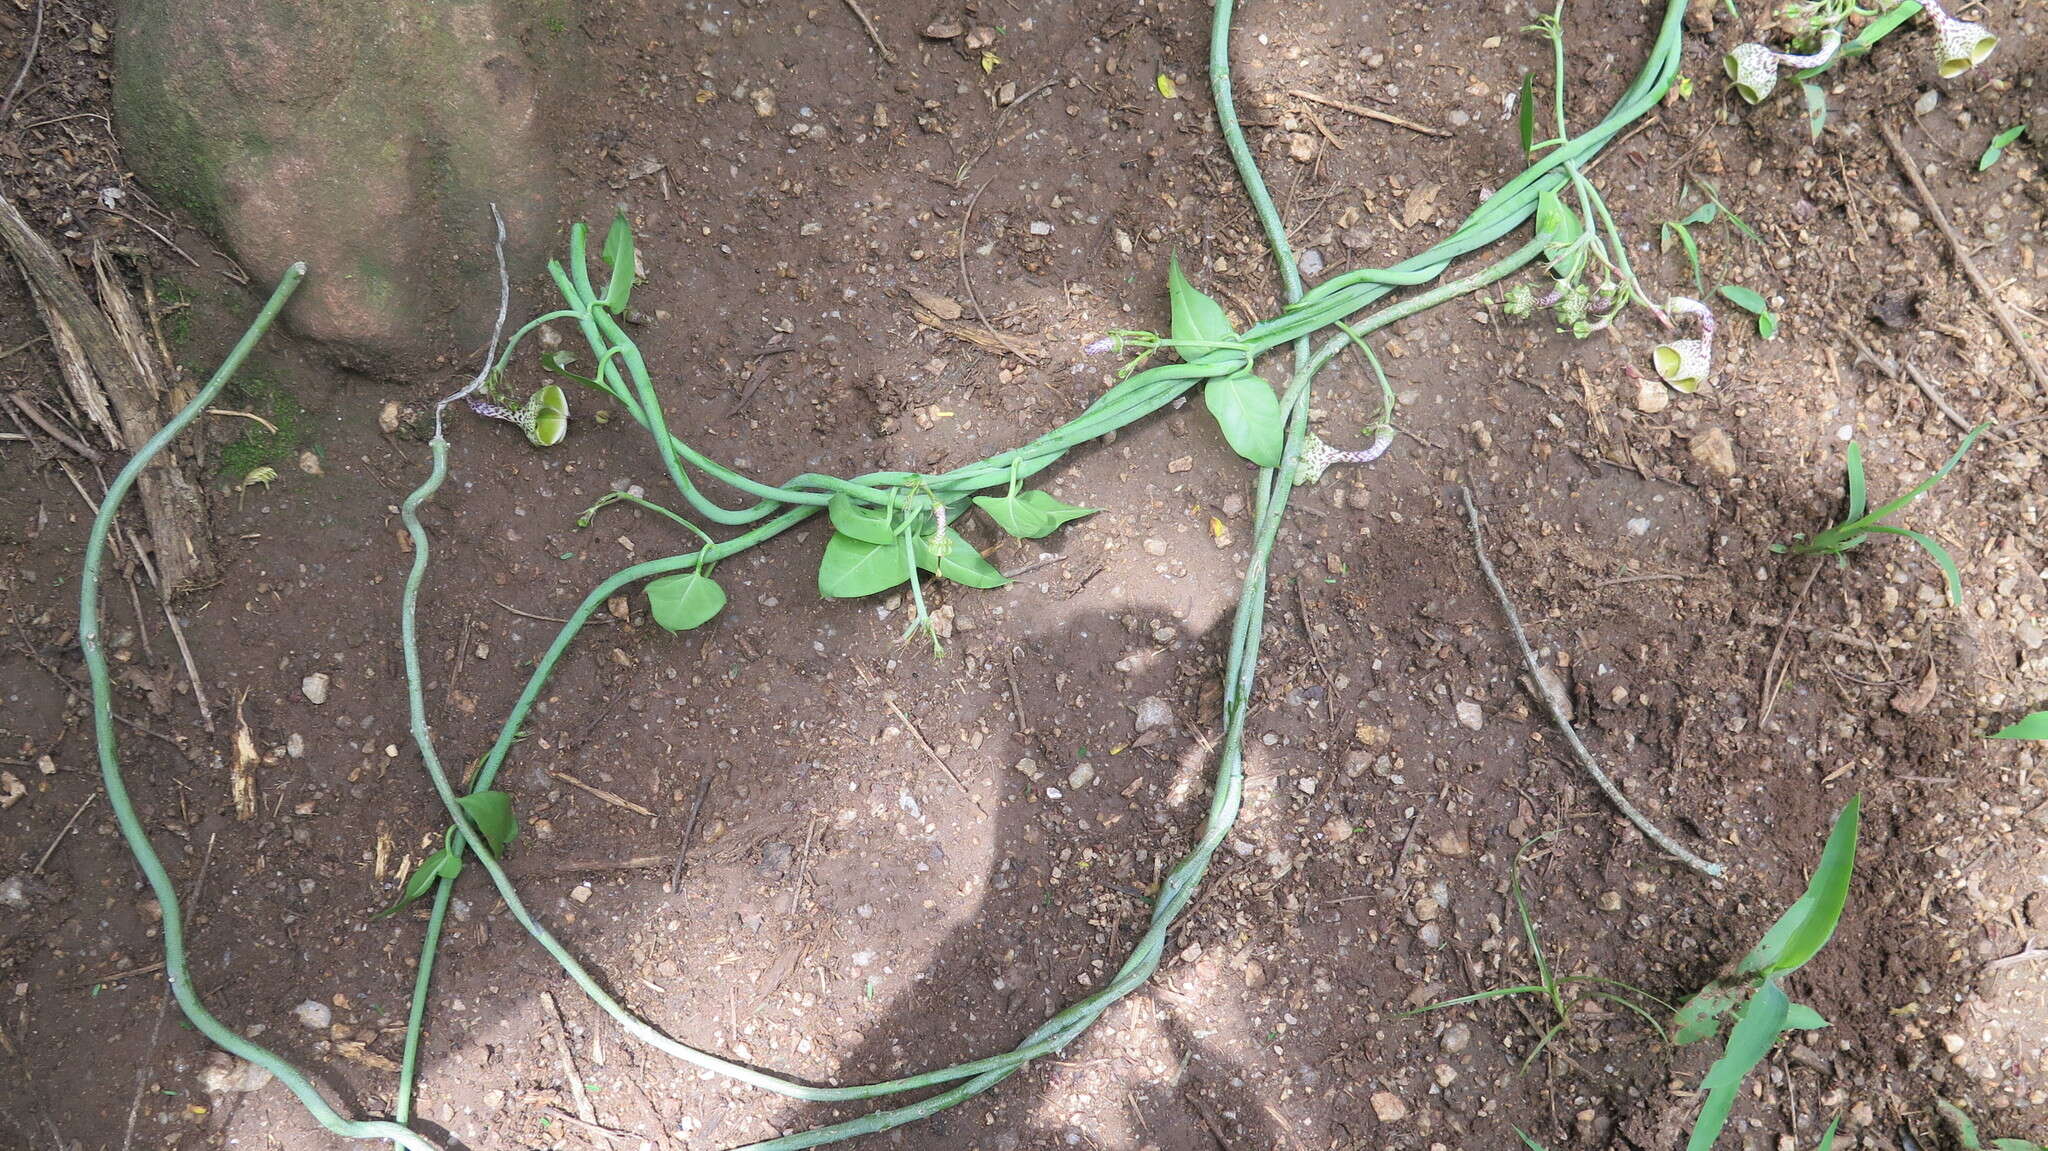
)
(1960, 45)
(1754, 68)
(1684, 364)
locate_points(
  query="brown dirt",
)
(848, 912)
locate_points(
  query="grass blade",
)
(2034, 726)
(1940, 474)
(1858, 490)
(1809, 923)
(1950, 574)
(1755, 1033)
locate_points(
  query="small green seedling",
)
(491, 812)
(1859, 524)
(2034, 726)
(1999, 144)
(1753, 302)
(1681, 231)
(1751, 990)
(1966, 1132)
(1548, 985)
(1245, 405)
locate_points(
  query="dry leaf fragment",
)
(11, 790)
(242, 776)
(944, 307)
(1420, 205)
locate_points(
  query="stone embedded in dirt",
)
(1715, 452)
(1082, 775)
(1470, 715)
(764, 102)
(226, 1075)
(944, 29)
(1154, 546)
(1153, 712)
(14, 893)
(1388, 1107)
(1452, 842)
(314, 1015)
(367, 139)
(315, 687)
(1652, 396)
(1254, 974)
(1457, 1037)
(1029, 768)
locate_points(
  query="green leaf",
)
(1966, 1127)
(1809, 923)
(1872, 32)
(618, 256)
(558, 363)
(1030, 515)
(1746, 299)
(440, 865)
(957, 561)
(1756, 1032)
(1527, 114)
(1940, 474)
(1858, 491)
(851, 567)
(1767, 326)
(1528, 1143)
(1692, 250)
(1563, 253)
(2034, 726)
(1704, 214)
(1816, 108)
(1700, 1017)
(682, 602)
(2016, 1145)
(1800, 1017)
(1199, 325)
(1998, 145)
(1827, 1137)
(861, 521)
(491, 812)
(1950, 573)
(1249, 414)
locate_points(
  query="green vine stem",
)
(177, 971)
(1129, 400)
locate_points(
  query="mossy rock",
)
(368, 139)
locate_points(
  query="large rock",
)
(367, 138)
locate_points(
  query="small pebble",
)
(1154, 546)
(1457, 1037)
(314, 1015)
(1081, 776)
(1153, 712)
(1470, 715)
(1388, 1107)
(315, 687)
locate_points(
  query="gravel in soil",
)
(848, 910)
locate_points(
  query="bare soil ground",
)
(848, 910)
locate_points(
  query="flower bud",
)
(1683, 363)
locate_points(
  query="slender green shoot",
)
(1548, 985)
(1751, 991)
(1859, 524)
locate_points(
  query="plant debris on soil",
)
(846, 911)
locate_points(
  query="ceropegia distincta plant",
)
(1752, 990)
(1861, 522)
(1818, 29)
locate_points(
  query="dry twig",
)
(1961, 252)
(1368, 113)
(1564, 725)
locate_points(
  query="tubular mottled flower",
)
(1960, 45)
(1754, 67)
(1317, 456)
(1684, 364)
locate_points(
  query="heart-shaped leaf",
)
(1249, 414)
(1563, 254)
(491, 812)
(957, 561)
(1030, 515)
(1199, 325)
(863, 522)
(682, 602)
(618, 256)
(853, 567)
